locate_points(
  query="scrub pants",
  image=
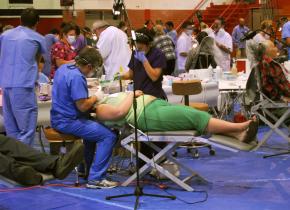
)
(20, 113)
(14, 155)
(92, 133)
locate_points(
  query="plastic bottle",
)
(234, 69)
(212, 73)
(218, 71)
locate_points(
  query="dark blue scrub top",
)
(142, 81)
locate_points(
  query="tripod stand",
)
(278, 154)
(119, 4)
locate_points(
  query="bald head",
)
(241, 21)
(159, 30)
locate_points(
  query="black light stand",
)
(277, 154)
(138, 189)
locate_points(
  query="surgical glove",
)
(140, 56)
(100, 95)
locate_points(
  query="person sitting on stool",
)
(70, 114)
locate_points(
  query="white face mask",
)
(189, 32)
(71, 39)
(95, 38)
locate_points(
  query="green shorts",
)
(160, 115)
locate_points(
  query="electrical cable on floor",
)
(37, 187)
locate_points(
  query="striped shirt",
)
(165, 44)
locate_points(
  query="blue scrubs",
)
(70, 86)
(286, 34)
(50, 39)
(18, 76)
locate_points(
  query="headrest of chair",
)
(186, 87)
(253, 86)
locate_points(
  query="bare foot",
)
(248, 132)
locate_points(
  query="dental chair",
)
(257, 103)
(174, 139)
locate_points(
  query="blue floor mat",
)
(239, 181)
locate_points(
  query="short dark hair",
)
(62, 24)
(78, 30)
(68, 27)
(121, 24)
(222, 20)
(29, 17)
(144, 36)
(86, 29)
(169, 23)
(89, 55)
(54, 31)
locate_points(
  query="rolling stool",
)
(61, 143)
(187, 88)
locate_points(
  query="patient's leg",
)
(222, 126)
(237, 130)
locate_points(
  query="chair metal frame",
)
(174, 139)
(261, 105)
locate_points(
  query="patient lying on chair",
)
(158, 115)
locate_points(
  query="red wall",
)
(138, 17)
(44, 26)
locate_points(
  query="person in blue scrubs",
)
(286, 36)
(70, 114)
(50, 40)
(20, 50)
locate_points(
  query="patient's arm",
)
(109, 112)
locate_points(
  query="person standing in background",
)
(113, 46)
(80, 42)
(20, 51)
(171, 32)
(51, 38)
(286, 35)
(165, 44)
(146, 65)
(267, 30)
(183, 46)
(224, 42)
(239, 32)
